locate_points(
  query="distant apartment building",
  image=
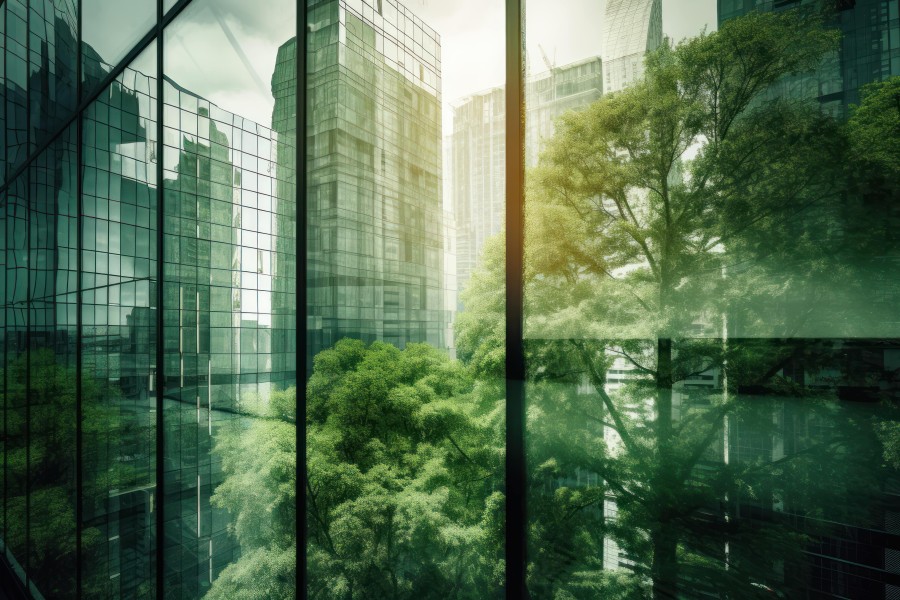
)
(478, 171)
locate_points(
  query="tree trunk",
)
(663, 533)
(665, 562)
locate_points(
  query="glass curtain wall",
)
(229, 284)
(119, 275)
(122, 472)
(711, 306)
(709, 393)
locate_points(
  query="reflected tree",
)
(686, 238)
(47, 462)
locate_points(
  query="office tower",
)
(869, 49)
(631, 28)
(375, 213)
(477, 176)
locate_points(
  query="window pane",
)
(118, 280)
(230, 300)
(109, 31)
(52, 390)
(405, 441)
(711, 331)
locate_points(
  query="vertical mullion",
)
(24, 560)
(160, 260)
(4, 205)
(515, 355)
(300, 293)
(79, 335)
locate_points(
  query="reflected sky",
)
(225, 52)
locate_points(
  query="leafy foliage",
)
(403, 467)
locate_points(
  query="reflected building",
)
(847, 557)
(477, 155)
(869, 50)
(631, 28)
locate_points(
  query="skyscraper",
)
(631, 28)
(478, 172)
(376, 248)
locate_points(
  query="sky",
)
(200, 45)
(473, 36)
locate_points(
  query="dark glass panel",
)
(230, 303)
(52, 51)
(3, 93)
(3, 440)
(16, 250)
(52, 389)
(711, 312)
(109, 31)
(15, 84)
(118, 281)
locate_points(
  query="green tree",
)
(403, 465)
(686, 227)
(259, 460)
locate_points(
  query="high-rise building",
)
(477, 175)
(631, 28)
(478, 168)
(375, 211)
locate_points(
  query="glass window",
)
(15, 213)
(119, 333)
(230, 300)
(51, 369)
(707, 382)
(109, 31)
(405, 409)
(709, 344)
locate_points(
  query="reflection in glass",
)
(109, 31)
(710, 327)
(118, 282)
(15, 212)
(52, 260)
(51, 73)
(229, 301)
(15, 84)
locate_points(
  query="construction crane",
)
(551, 66)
